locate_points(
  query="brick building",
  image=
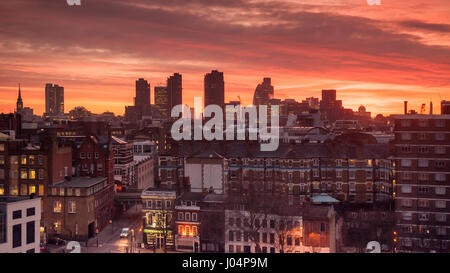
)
(422, 189)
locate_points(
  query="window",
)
(440, 123)
(423, 190)
(441, 217)
(41, 174)
(406, 123)
(181, 230)
(72, 207)
(440, 164)
(230, 248)
(2, 189)
(441, 204)
(99, 167)
(440, 136)
(406, 149)
(423, 136)
(406, 136)
(57, 206)
(17, 236)
(96, 155)
(82, 155)
(440, 177)
(31, 211)
(423, 203)
(369, 174)
(406, 189)
(338, 174)
(23, 174)
(30, 232)
(194, 230)
(194, 216)
(423, 163)
(406, 203)
(407, 216)
(2, 174)
(439, 150)
(423, 216)
(180, 216)
(351, 174)
(187, 216)
(422, 177)
(352, 186)
(17, 214)
(272, 238)
(440, 190)
(77, 192)
(406, 162)
(422, 149)
(231, 236)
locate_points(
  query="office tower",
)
(142, 98)
(175, 90)
(54, 99)
(162, 101)
(19, 104)
(331, 108)
(422, 193)
(214, 88)
(263, 92)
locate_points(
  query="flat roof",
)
(11, 199)
(81, 182)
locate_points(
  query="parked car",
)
(125, 232)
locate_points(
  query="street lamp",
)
(112, 227)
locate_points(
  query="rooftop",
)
(81, 182)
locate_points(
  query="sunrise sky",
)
(373, 55)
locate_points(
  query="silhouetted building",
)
(175, 89)
(19, 104)
(263, 92)
(330, 108)
(445, 107)
(162, 101)
(142, 98)
(214, 88)
(54, 100)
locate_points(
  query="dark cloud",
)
(415, 24)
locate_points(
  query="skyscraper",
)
(331, 108)
(214, 88)
(175, 90)
(162, 101)
(54, 99)
(263, 92)
(142, 98)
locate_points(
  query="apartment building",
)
(422, 183)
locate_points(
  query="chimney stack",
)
(406, 106)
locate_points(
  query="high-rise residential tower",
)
(162, 101)
(142, 98)
(214, 88)
(54, 99)
(175, 90)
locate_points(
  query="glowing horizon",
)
(376, 56)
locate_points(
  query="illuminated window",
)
(41, 190)
(351, 163)
(77, 192)
(31, 160)
(2, 189)
(2, 159)
(23, 174)
(23, 160)
(31, 189)
(32, 174)
(188, 230)
(181, 230)
(61, 191)
(2, 147)
(57, 206)
(194, 230)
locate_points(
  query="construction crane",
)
(240, 101)
(422, 109)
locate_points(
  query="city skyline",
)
(98, 50)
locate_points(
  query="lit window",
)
(31, 174)
(23, 174)
(23, 160)
(72, 207)
(57, 206)
(31, 189)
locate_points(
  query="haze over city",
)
(373, 55)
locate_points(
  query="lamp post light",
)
(112, 227)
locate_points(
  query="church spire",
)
(19, 104)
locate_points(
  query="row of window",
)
(439, 190)
(186, 216)
(408, 216)
(88, 155)
(439, 123)
(187, 230)
(24, 174)
(24, 160)
(424, 203)
(25, 189)
(423, 136)
(247, 249)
